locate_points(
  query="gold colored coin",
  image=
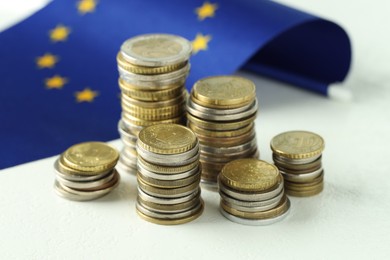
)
(161, 221)
(212, 125)
(131, 120)
(167, 139)
(174, 109)
(167, 169)
(308, 193)
(170, 207)
(297, 144)
(146, 70)
(127, 86)
(282, 207)
(148, 104)
(224, 91)
(90, 157)
(227, 141)
(249, 175)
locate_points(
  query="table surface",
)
(350, 219)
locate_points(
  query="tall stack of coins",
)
(86, 171)
(168, 175)
(153, 69)
(298, 155)
(221, 112)
(252, 192)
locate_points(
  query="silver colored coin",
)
(155, 50)
(150, 85)
(256, 205)
(252, 196)
(125, 133)
(229, 150)
(85, 184)
(226, 117)
(156, 77)
(216, 111)
(128, 169)
(296, 161)
(304, 177)
(158, 169)
(167, 177)
(168, 211)
(75, 177)
(172, 216)
(178, 101)
(209, 185)
(256, 222)
(135, 129)
(252, 209)
(169, 201)
(231, 156)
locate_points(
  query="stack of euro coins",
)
(153, 69)
(252, 192)
(168, 175)
(298, 155)
(221, 111)
(86, 171)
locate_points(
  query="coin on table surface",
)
(90, 157)
(249, 175)
(167, 139)
(224, 91)
(297, 144)
(154, 50)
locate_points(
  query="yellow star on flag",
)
(206, 10)
(200, 43)
(86, 95)
(55, 82)
(86, 6)
(46, 61)
(59, 34)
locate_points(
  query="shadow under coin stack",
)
(153, 69)
(221, 112)
(168, 175)
(298, 154)
(86, 171)
(252, 192)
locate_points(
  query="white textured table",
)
(350, 219)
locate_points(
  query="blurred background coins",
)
(152, 72)
(252, 192)
(298, 155)
(168, 175)
(221, 111)
(86, 171)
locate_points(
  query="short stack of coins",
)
(298, 155)
(221, 111)
(153, 69)
(252, 192)
(86, 171)
(168, 175)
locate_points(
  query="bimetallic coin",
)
(305, 177)
(107, 186)
(272, 202)
(220, 134)
(155, 50)
(297, 144)
(169, 183)
(256, 222)
(169, 208)
(167, 139)
(168, 192)
(274, 212)
(164, 221)
(166, 170)
(168, 201)
(146, 70)
(168, 177)
(218, 126)
(90, 157)
(224, 91)
(218, 111)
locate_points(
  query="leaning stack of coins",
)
(153, 69)
(298, 154)
(221, 112)
(252, 192)
(86, 171)
(168, 175)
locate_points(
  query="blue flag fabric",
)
(58, 81)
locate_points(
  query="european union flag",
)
(58, 83)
